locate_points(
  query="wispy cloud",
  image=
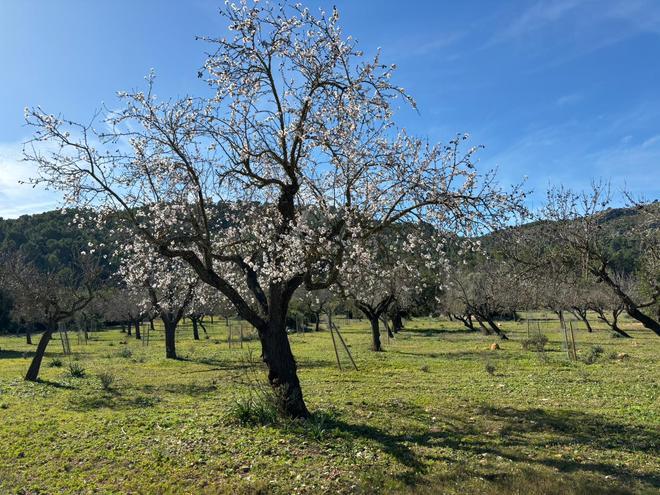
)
(16, 198)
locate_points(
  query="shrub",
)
(55, 363)
(490, 369)
(616, 335)
(594, 353)
(107, 379)
(125, 352)
(425, 368)
(536, 343)
(76, 370)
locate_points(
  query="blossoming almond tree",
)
(390, 267)
(167, 286)
(260, 185)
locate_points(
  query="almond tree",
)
(47, 297)
(163, 285)
(259, 185)
(389, 267)
(577, 225)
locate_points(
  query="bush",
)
(536, 343)
(616, 335)
(125, 353)
(107, 379)
(55, 363)
(490, 369)
(76, 370)
(595, 352)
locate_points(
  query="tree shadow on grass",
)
(56, 384)
(8, 354)
(521, 432)
(432, 332)
(110, 400)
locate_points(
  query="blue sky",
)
(557, 90)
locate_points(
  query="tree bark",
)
(375, 333)
(496, 329)
(33, 371)
(397, 321)
(631, 307)
(138, 335)
(282, 369)
(128, 328)
(170, 338)
(28, 335)
(195, 328)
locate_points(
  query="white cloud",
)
(16, 198)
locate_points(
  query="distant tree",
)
(166, 285)
(47, 297)
(389, 267)
(576, 224)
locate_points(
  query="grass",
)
(422, 417)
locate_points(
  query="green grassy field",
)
(425, 416)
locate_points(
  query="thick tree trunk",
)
(282, 369)
(128, 328)
(484, 329)
(496, 329)
(644, 319)
(631, 308)
(170, 338)
(397, 321)
(318, 321)
(375, 334)
(195, 328)
(33, 371)
(138, 335)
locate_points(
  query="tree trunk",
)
(33, 371)
(123, 328)
(28, 335)
(318, 321)
(282, 370)
(195, 328)
(613, 324)
(496, 329)
(170, 337)
(644, 319)
(375, 333)
(397, 321)
(138, 335)
(484, 330)
(201, 324)
(128, 328)
(631, 308)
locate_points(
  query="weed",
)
(107, 379)
(594, 354)
(536, 343)
(125, 352)
(76, 370)
(55, 363)
(490, 369)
